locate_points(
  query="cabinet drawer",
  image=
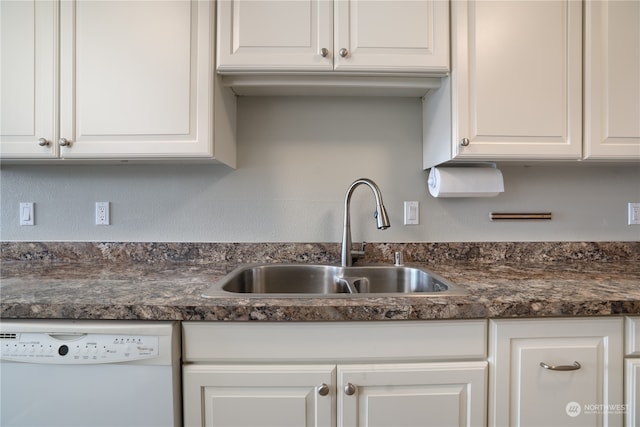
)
(632, 336)
(334, 341)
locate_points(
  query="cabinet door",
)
(632, 392)
(524, 393)
(517, 79)
(28, 85)
(249, 396)
(278, 35)
(136, 79)
(632, 371)
(392, 36)
(612, 80)
(433, 394)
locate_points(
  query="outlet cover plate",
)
(102, 213)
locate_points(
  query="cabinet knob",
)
(64, 142)
(573, 367)
(349, 389)
(464, 142)
(42, 142)
(343, 52)
(324, 52)
(323, 390)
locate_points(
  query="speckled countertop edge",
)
(164, 281)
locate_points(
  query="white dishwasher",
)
(90, 373)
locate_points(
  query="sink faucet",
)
(380, 215)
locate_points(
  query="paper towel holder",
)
(465, 179)
(461, 165)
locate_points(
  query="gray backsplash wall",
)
(296, 158)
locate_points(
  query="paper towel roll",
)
(465, 182)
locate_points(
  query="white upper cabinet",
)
(136, 81)
(391, 36)
(319, 46)
(274, 35)
(365, 36)
(28, 59)
(515, 89)
(612, 80)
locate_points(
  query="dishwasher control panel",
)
(74, 349)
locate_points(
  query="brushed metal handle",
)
(465, 142)
(343, 52)
(573, 367)
(64, 142)
(323, 390)
(349, 389)
(324, 52)
(42, 142)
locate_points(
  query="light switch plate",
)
(26, 213)
(634, 214)
(411, 212)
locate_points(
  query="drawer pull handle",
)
(573, 367)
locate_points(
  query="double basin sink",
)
(301, 280)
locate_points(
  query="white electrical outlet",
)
(26, 213)
(102, 213)
(634, 214)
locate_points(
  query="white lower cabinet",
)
(259, 395)
(409, 395)
(632, 392)
(364, 374)
(417, 394)
(632, 371)
(540, 372)
(556, 372)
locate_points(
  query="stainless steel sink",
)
(298, 280)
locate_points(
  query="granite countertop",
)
(165, 282)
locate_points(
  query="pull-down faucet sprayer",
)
(382, 219)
